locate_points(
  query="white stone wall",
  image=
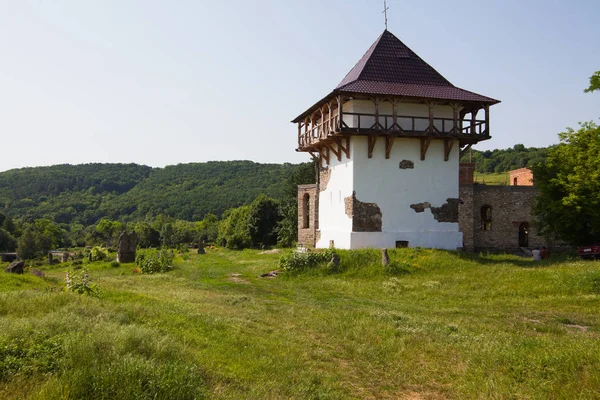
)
(381, 181)
(334, 224)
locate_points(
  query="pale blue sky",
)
(167, 82)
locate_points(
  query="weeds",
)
(153, 261)
(81, 283)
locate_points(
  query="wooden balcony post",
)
(329, 122)
(306, 141)
(395, 113)
(430, 129)
(473, 121)
(340, 112)
(376, 103)
(487, 119)
(454, 118)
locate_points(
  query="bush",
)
(81, 283)
(98, 254)
(296, 261)
(114, 264)
(151, 261)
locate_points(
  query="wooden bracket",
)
(338, 152)
(389, 142)
(324, 152)
(371, 139)
(464, 151)
(425, 142)
(448, 143)
(341, 147)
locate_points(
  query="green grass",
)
(439, 325)
(500, 178)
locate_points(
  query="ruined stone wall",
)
(466, 172)
(465, 216)
(524, 177)
(307, 234)
(511, 206)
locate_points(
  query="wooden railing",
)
(362, 123)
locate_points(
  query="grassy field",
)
(500, 178)
(442, 325)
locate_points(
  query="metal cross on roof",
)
(385, 9)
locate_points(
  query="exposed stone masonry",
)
(324, 176)
(406, 164)
(366, 217)
(448, 212)
(420, 207)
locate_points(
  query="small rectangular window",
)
(401, 244)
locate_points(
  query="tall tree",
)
(262, 219)
(568, 206)
(233, 228)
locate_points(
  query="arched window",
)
(486, 218)
(306, 211)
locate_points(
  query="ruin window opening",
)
(524, 235)
(306, 211)
(486, 218)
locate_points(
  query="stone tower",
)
(387, 141)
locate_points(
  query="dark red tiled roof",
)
(389, 60)
(389, 67)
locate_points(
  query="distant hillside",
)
(503, 160)
(85, 193)
(190, 191)
(66, 193)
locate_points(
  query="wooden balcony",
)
(468, 131)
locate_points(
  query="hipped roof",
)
(390, 68)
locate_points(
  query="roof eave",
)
(313, 107)
(485, 100)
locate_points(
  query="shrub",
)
(81, 283)
(151, 261)
(98, 254)
(114, 264)
(296, 261)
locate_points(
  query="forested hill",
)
(503, 160)
(85, 193)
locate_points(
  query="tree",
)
(594, 83)
(109, 231)
(287, 228)
(568, 206)
(48, 235)
(233, 229)
(208, 228)
(7, 241)
(26, 245)
(147, 235)
(262, 219)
